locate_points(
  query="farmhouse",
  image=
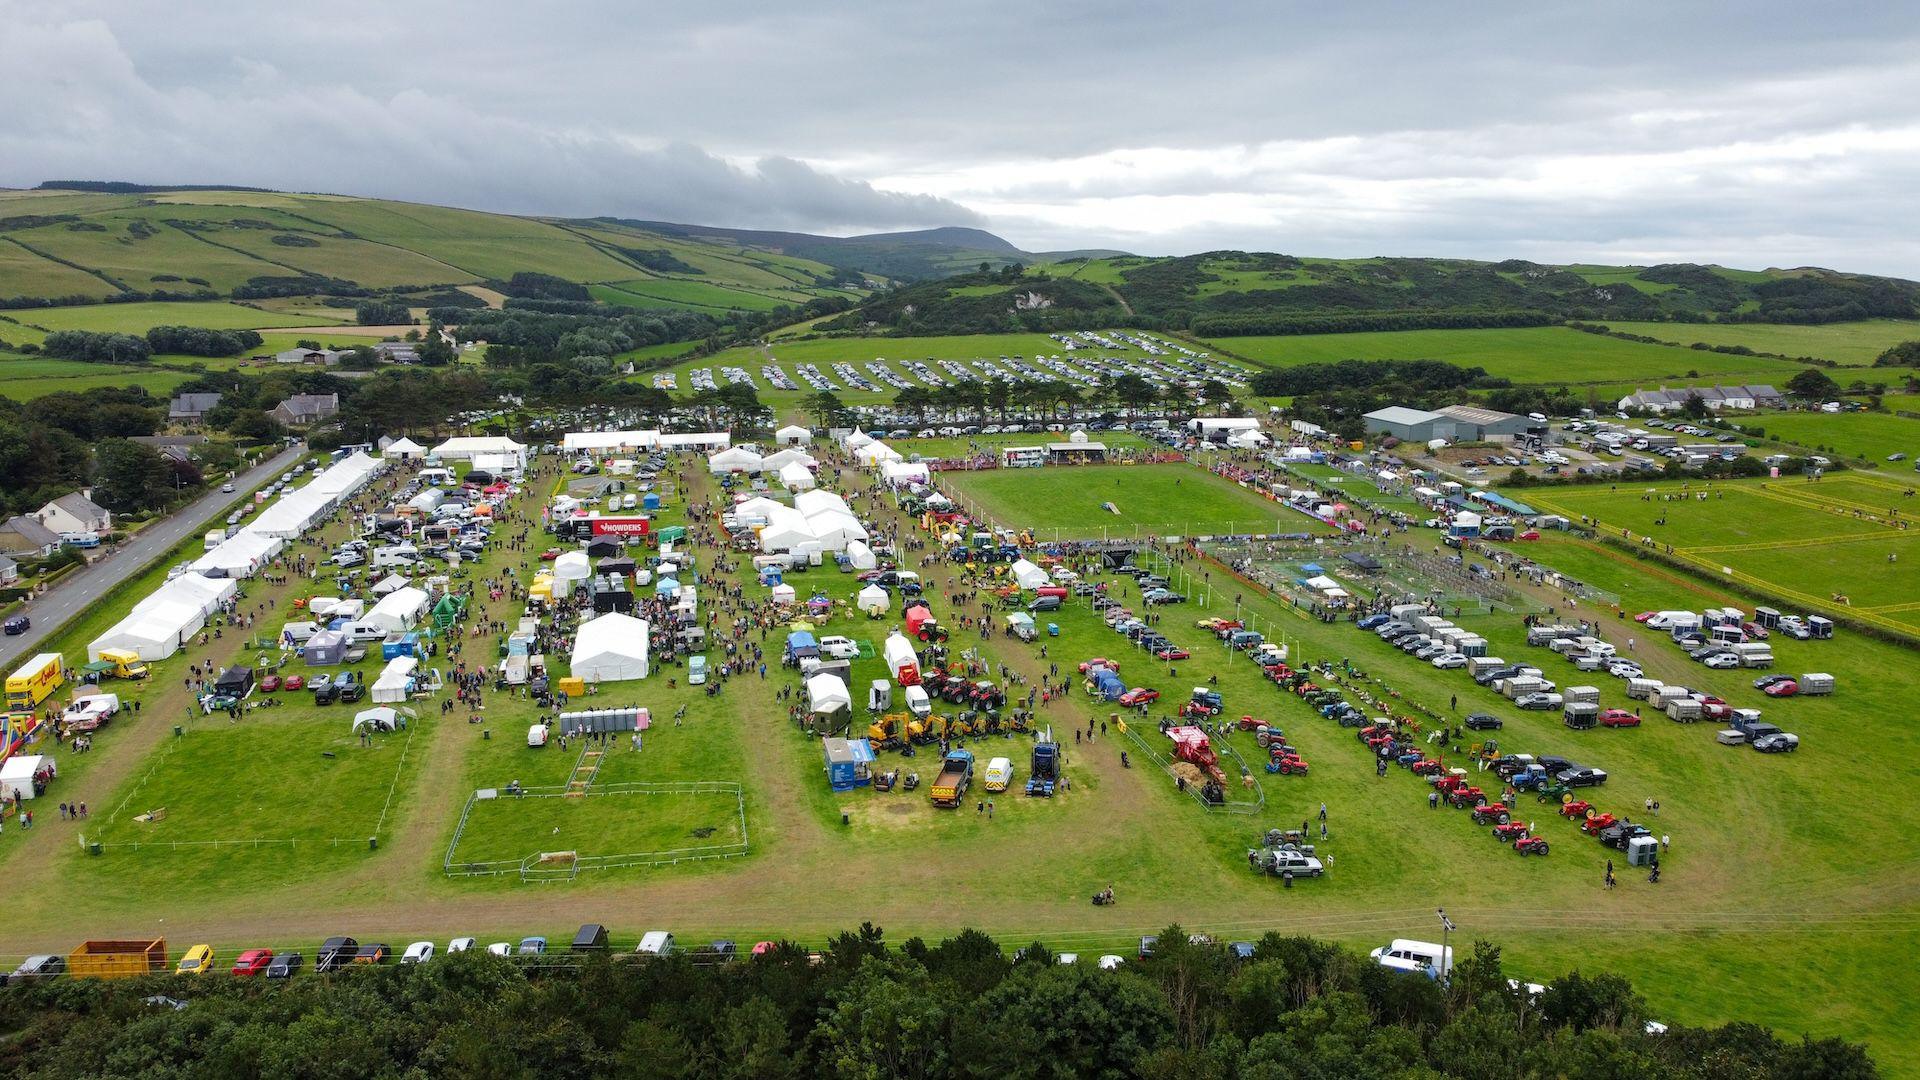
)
(74, 512)
(396, 352)
(9, 571)
(190, 408)
(301, 410)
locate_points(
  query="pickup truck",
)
(950, 787)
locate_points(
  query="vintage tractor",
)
(1285, 761)
(1191, 745)
(1530, 845)
(1427, 766)
(1492, 814)
(1554, 792)
(1597, 823)
(1466, 795)
(1574, 808)
(1510, 832)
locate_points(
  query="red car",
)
(1644, 616)
(1784, 688)
(1618, 718)
(1098, 662)
(1139, 695)
(1172, 652)
(294, 682)
(269, 684)
(1754, 631)
(550, 554)
(252, 962)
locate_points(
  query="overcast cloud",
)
(1762, 135)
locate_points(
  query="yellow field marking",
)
(1767, 545)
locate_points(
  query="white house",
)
(74, 513)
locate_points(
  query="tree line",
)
(864, 1008)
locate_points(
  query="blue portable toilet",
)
(849, 763)
(770, 576)
(650, 501)
(398, 645)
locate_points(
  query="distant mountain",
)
(918, 255)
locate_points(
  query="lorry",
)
(126, 663)
(117, 959)
(33, 681)
(1044, 770)
(950, 787)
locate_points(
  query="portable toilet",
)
(1643, 851)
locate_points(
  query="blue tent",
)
(800, 644)
(1107, 683)
(666, 586)
(650, 501)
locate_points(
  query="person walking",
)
(1323, 811)
(1609, 877)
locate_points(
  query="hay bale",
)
(1188, 771)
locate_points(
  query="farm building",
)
(1471, 423)
(1408, 425)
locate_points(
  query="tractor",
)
(1532, 776)
(1554, 792)
(1445, 783)
(1492, 813)
(1248, 723)
(1427, 766)
(1508, 833)
(1286, 762)
(1530, 845)
(1575, 808)
(1466, 795)
(1410, 758)
(1596, 823)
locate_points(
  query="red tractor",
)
(1445, 783)
(1597, 823)
(1576, 808)
(1492, 814)
(1427, 767)
(1371, 731)
(1190, 745)
(1508, 833)
(1466, 795)
(1530, 845)
(1248, 723)
(1287, 762)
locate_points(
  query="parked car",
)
(1139, 695)
(285, 965)
(253, 962)
(1582, 776)
(1450, 661)
(417, 953)
(1777, 743)
(1483, 722)
(1618, 718)
(197, 961)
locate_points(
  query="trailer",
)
(1642, 689)
(1582, 695)
(1754, 654)
(1581, 715)
(1816, 683)
(1481, 663)
(118, 959)
(1684, 710)
(950, 787)
(1663, 694)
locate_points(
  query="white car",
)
(417, 953)
(460, 944)
(1110, 962)
(348, 558)
(500, 948)
(839, 648)
(1624, 669)
(1722, 661)
(1449, 661)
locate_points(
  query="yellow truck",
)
(34, 682)
(117, 959)
(126, 664)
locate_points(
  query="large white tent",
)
(780, 459)
(396, 679)
(757, 508)
(405, 449)
(204, 593)
(153, 634)
(874, 600)
(855, 440)
(1027, 575)
(827, 693)
(467, 447)
(812, 502)
(611, 648)
(734, 459)
(590, 441)
(292, 515)
(399, 610)
(569, 568)
(876, 453)
(796, 477)
(240, 555)
(793, 435)
(835, 530)
(786, 529)
(899, 473)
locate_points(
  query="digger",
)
(889, 732)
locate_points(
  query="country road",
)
(84, 587)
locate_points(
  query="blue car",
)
(1372, 621)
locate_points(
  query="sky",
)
(1763, 134)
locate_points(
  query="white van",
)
(918, 703)
(839, 648)
(299, 632)
(362, 632)
(655, 943)
(1421, 957)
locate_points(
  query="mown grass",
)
(1849, 343)
(1153, 500)
(1549, 355)
(139, 318)
(1867, 436)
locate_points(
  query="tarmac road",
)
(73, 594)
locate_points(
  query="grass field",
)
(1850, 343)
(1786, 873)
(962, 446)
(1549, 356)
(1340, 480)
(26, 388)
(1802, 539)
(1867, 436)
(1154, 500)
(139, 318)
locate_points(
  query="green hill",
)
(1234, 293)
(67, 246)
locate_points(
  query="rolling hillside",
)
(70, 246)
(1229, 293)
